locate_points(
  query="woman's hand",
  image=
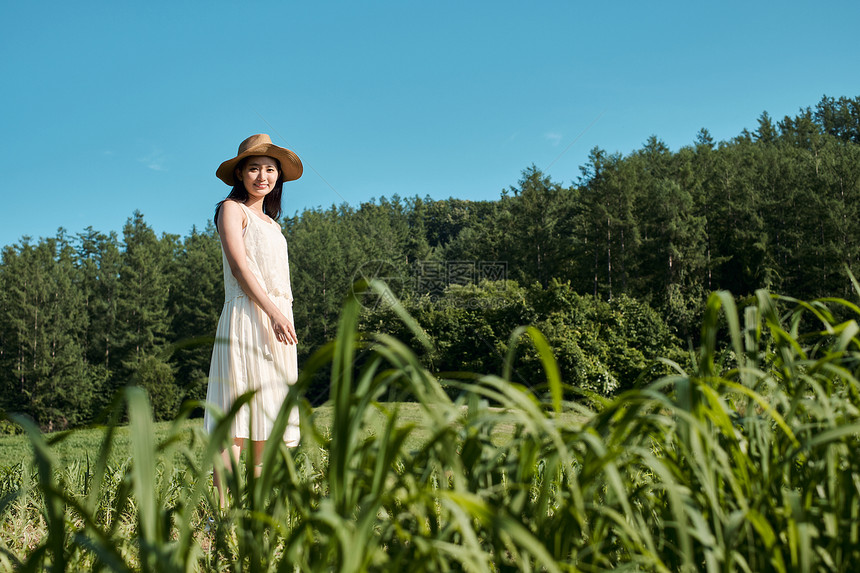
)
(284, 331)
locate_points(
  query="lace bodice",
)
(267, 256)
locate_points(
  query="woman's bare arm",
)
(230, 218)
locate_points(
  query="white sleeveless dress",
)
(247, 356)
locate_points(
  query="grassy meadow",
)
(744, 459)
(82, 445)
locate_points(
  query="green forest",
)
(614, 269)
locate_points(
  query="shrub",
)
(601, 347)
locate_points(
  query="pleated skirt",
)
(246, 356)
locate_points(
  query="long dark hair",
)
(271, 202)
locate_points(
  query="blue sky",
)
(112, 107)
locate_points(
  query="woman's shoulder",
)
(233, 206)
(231, 209)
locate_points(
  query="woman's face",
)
(259, 175)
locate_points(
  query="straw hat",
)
(261, 144)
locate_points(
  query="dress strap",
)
(249, 213)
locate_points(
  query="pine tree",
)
(143, 292)
(99, 262)
(44, 324)
(766, 132)
(611, 237)
(196, 299)
(538, 239)
(839, 118)
(318, 272)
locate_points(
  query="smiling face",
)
(259, 174)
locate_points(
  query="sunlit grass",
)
(83, 444)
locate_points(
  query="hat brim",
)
(291, 165)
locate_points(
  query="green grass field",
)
(84, 444)
(80, 445)
(743, 460)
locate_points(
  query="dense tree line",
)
(613, 268)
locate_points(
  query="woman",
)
(255, 347)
